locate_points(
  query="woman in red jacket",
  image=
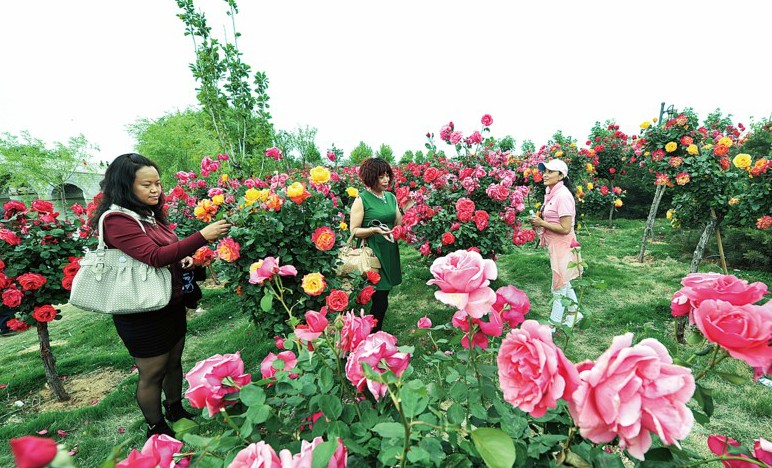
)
(155, 339)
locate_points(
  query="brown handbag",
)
(357, 260)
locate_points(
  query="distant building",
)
(81, 188)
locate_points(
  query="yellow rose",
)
(618, 203)
(253, 267)
(319, 175)
(692, 149)
(295, 190)
(572, 145)
(733, 201)
(313, 284)
(670, 214)
(352, 192)
(252, 195)
(343, 226)
(671, 146)
(590, 167)
(218, 199)
(654, 120)
(647, 154)
(590, 186)
(537, 205)
(224, 177)
(645, 125)
(264, 195)
(707, 147)
(558, 154)
(726, 141)
(742, 160)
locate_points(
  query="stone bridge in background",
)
(81, 188)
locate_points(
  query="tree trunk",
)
(648, 230)
(49, 363)
(710, 228)
(611, 217)
(720, 244)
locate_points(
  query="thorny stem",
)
(713, 363)
(405, 424)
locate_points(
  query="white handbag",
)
(111, 282)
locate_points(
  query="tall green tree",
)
(176, 141)
(304, 142)
(28, 162)
(419, 157)
(360, 153)
(407, 157)
(234, 98)
(385, 152)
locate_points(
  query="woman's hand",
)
(187, 263)
(537, 221)
(215, 230)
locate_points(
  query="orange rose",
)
(228, 250)
(205, 210)
(323, 238)
(274, 202)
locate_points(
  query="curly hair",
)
(372, 169)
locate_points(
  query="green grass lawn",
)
(99, 371)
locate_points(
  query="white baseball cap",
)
(554, 165)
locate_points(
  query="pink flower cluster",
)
(762, 451)
(380, 352)
(262, 455)
(212, 379)
(159, 450)
(722, 307)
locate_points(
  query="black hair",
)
(373, 168)
(569, 184)
(118, 188)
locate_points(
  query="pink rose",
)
(379, 350)
(486, 120)
(720, 444)
(355, 330)
(464, 209)
(456, 137)
(481, 218)
(274, 153)
(631, 391)
(424, 322)
(463, 277)
(744, 331)
(268, 370)
(316, 323)
(278, 341)
(159, 450)
(332, 156)
(207, 389)
(533, 372)
(680, 304)
(698, 287)
(33, 452)
(304, 459)
(425, 249)
(762, 450)
(257, 455)
(513, 304)
(498, 192)
(263, 270)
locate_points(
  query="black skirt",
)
(150, 334)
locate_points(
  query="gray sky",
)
(388, 72)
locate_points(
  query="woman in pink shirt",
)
(140, 230)
(557, 226)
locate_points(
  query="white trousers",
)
(558, 314)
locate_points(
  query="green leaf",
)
(495, 446)
(703, 396)
(700, 417)
(184, 426)
(330, 406)
(322, 454)
(417, 455)
(695, 338)
(252, 395)
(258, 414)
(456, 414)
(732, 378)
(389, 430)
(266, 303)
(414, 398)
(197, 441)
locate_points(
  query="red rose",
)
(604, 190)
(373, 277)
(337, 300)
(724, 163)
(31, 281)
(2, 265)
(71, 268)
(5, 281)
(486, 120)
(430, 174)
(43, 206)
(44, 313)
(366, 294)
(67, 283)
(464, 209)
(17, 325)
(12, 297)
(10, 237)
(448, 238)
(12, 207)
(481, 218)
(31, 451)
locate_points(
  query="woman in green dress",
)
(373, 215)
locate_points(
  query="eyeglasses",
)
(377, 224)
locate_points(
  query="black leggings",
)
(378, 309)
(159, 373)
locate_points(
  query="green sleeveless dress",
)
(387, 252)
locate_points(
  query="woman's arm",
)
(123, 232)
(564, 227)
(357, 216)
